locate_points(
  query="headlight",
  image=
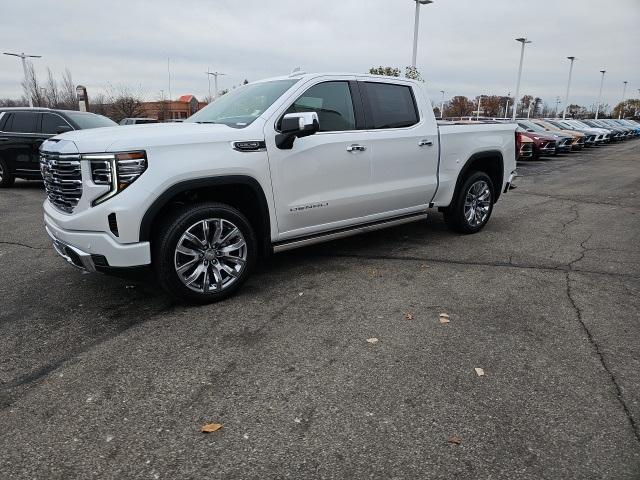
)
(119, 170)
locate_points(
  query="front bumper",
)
(88, 250)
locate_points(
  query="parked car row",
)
(541, 137)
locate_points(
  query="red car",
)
(542, 144)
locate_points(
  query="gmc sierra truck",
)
(273, 165)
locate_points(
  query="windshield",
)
(90, 120)
(532, 126)
(242, 106)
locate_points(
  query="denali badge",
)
(308, 207)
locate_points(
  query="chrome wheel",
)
(210, 255)
(477, 203)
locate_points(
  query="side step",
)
(346, 232)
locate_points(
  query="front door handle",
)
(425, 143)
(356, 148)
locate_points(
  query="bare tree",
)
(99, 105)
(12, 102)
(124, 103)
(32, 88)
(68, 97)
(51, 91)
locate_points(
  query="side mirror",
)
(296, 125)
(63, 129)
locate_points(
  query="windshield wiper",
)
(206, 121)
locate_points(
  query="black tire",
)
(454, 215)
(6, 177)
(166, 258)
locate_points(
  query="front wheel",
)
(203, 253)
(472, 204)
(6, 177)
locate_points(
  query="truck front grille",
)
(62, 179)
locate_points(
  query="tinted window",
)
(22, 122)
(390, 106)
(51, 123)
(90, 120)
(332, 102)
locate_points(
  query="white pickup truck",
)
(273, 165)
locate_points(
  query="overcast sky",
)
(466, 47)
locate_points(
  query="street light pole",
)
(478, 112)
(566, 97)
(524, 41)
(557, 103)
(415, 29)
(506, 108)
(24, 57)
(624, 92)
(600, 94)
(442, 105)
(215, 83)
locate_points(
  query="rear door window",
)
(390, 105)
(22, 122)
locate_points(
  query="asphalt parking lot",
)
(104, 378)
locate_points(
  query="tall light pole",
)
(600, 94)
(24, 57)
(624, 92)
(506, 108)
(415, 29)
(215, 83)
(478, 111)
(442, 105)
(523, 41)
(566, 97)
(557, 103)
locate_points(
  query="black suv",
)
(22, 130)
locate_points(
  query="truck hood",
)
(131, 137)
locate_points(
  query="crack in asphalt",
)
(575, 199)
(605, 366)
(507, 264)
(23, 245)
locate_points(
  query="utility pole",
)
(600, 94)
(442, 105)
(24, 57)
(478, 112)
(566, 97)
(169, 75)
(557, 103)
(506, 108)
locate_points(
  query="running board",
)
(346, 232)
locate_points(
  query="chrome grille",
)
(62, 179)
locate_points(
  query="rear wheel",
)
(472, 204)
(204, 252)
(6, 177)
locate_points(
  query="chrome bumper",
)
(72, 255)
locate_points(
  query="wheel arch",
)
(239, 191)
(490, 162)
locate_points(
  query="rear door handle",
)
(356, 148)
(425, 143)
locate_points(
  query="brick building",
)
(180, 109)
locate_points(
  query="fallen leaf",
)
(300, 294)
(479, 371)
(455, 439)
(211, 427)
(444, 318)
(372, 340)
(424, 266)
(408, 316)
(444, 315)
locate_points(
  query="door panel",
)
(404, 146)
(322, 182)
